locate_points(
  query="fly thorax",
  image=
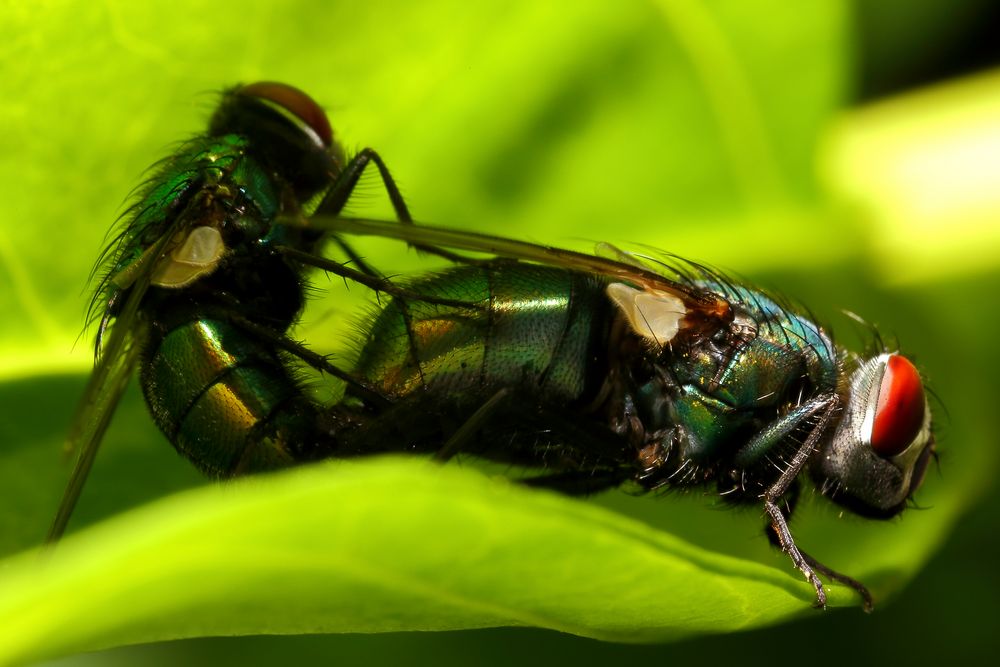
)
(732, 385)
(736, 366)
(877, 455)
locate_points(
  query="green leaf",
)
(382, 545)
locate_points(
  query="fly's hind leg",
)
(464, 434)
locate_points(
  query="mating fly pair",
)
(594, 370)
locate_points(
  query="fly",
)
(200, 288)
(611, 368)
(598, 370)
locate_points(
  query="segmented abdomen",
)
(225, 399)
(527, 326)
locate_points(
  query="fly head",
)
(290, 132)
(879, 451)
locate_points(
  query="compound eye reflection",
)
(296, 103)
(899, 414)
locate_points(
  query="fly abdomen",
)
(225, 399)
(529, 327)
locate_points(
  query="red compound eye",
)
(296, 102)
(900, 411)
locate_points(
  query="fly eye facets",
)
(899, 414)
(295, 102)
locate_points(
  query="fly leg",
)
(772, 536)
(317, 361)
(778, 523)
(780, 528)
(468, 429)
(375, 283)
(335, 200)
(825, 407)
(789, 500)
(581, 477)
(805, 563)
(868, 605)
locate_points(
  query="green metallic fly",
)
(599, 370)
(202, 273)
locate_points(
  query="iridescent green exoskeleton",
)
(201, 286)
(610, 369)
(595, 370)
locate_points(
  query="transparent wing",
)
(93, 414)
(107, 382)
(706, 309)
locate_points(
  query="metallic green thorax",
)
(725, 398)
(214, 390)
(204, 164)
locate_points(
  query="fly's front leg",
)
(825, 407)
(780, 535)
(867, 603)
(801, 562)
(342, 190)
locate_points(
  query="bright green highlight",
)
(924, 167)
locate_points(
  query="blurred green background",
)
(843, 153)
